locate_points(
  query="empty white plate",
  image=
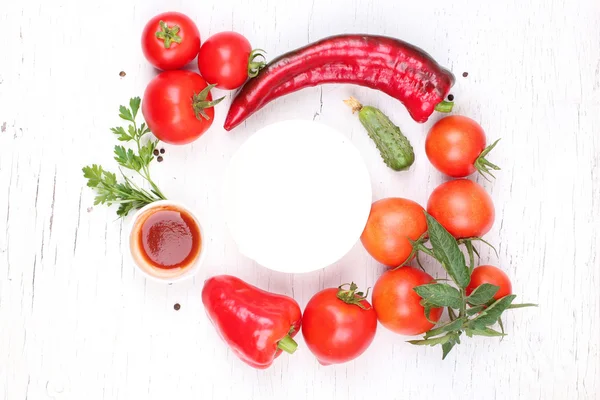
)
(297, 196)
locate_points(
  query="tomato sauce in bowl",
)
(166, 241)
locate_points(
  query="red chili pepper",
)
(397, 68)
(257, 325)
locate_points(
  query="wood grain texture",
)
(78, 322)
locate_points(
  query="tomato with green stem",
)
(338, 324)
(227, 60)
(170, 40)
(398, 306)
(178, 106)
(463, 207)
(392, 224)
(456, 146)
(493, 276)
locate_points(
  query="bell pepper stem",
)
(444, 106)
(287, 344)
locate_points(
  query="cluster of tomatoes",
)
(171, 41)
(454, 146)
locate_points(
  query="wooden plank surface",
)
(78, 322)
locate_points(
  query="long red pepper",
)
(392, 66)
(257, 325)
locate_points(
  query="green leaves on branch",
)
(477, 313)
(446, 251)
(127, 194)
(482, 294)
(440, 295)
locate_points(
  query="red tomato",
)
(223, 60)
(392, 222)
(453, 145)
(462, 207)
(170, 40)
(178, 106)
(398, 306)
(337, 331)
(493, 276)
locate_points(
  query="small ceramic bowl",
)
(163, 275)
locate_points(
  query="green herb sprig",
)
(127, 194)
(473, 315)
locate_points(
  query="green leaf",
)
(447, 252)
(134, 104)
(475, 310)
(127, 158)
(521, 305)
(455, 325)
(431, 341)
(110, 179)
(121, 155)
(93, 174)
(440, 295)
(482, 294)
(490, 315)
(122, 135)
(446, 347)
(125, 114)
(132, 132)
(146, 152)
(483, 332)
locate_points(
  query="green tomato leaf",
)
(482, 294)
(134, 104)
(447, 252)
(446, 347)
(475, 310)
(483, 332)
(521, 305)
(490, 315)
(455, 325)
(431, 341)
(440, 295)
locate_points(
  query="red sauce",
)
(169, 238)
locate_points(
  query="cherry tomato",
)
(462, 207)
(392, 222)
(493, 276)
(170, 40)
(338, 325)
(178, 106)
(453, 144)
(226, 59)
(398, 306)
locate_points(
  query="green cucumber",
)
(394, 147)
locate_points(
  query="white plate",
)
(297, 196)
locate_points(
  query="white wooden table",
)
(78, 322)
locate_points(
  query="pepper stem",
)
(444, 106)
(353, 104)
(351, 296)
(254, 67)
(287, 344)
(168, 35)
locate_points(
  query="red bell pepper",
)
(257, 325)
